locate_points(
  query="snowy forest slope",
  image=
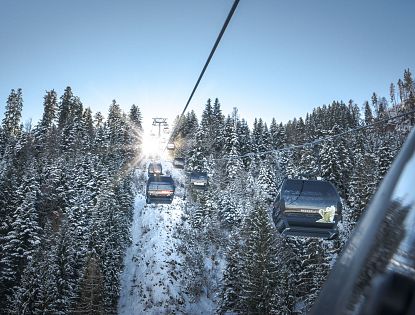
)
(150, 280)
(66, 198)
(69, 194)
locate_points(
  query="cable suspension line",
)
(312, 143)
(230, 14)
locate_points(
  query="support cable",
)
(235, 4)
(315, 142)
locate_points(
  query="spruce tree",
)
(91, 294)
(136, 117)
(244, 139)
(229, 296)
(37, 292)
(65, 108)
(385, 157)
(392, 94)
(260, 267)
(335, 162)
(217, 128)
(408, 82)
(50, 106)
(267, 180)
(368, 114)
(313, 270)
(234, 165)
(11, 122)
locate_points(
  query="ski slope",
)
(150, 283)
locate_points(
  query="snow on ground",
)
(150, 280)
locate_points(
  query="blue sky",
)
(277, 58)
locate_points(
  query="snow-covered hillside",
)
(149, 281)
(152, 279)
(69, 194)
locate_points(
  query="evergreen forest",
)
(68, 185)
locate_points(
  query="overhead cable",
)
(235, 4)
(314, 142)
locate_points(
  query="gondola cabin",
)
(199, 180)
(179, 163)
(160, 189)
(171, 146)
(308, 208)
(155, 169)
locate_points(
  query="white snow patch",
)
(150, 279)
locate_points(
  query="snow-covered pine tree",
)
(244, 138)
(87, 131)
(267, 180)
(70, 134)
(290, 161)
(401, 90)
(24, 235)
(68, 277)
(309, 161)
(197, 159)
(358, 196)
(45, 133)
(11, 127)
(50, 107)
(111, 243)
(408, 82)
(65, 108)
(234, 164)
(259, 137)
(218, 125)
(229, 213)
(385, 157)
(392, 94)
(91, 299)
(135, 117)
(300, 131)
(313, 262)
(260, 265)
(37, 292)
(9, 201)
(188, 126)
(368, 113)
(354, 115)
(229, 295)
(335, 162)
(274, 133)
(409, 92)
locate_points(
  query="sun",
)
(151, 144)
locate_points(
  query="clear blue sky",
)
(277, 58)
